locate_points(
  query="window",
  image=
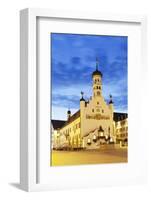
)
(109, 129)
(98, 93)
(97, 103)
(92, 110)
(102, 111)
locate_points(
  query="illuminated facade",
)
(92, 125)
(121, 130)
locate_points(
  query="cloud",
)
(66, 101)
(74, 60)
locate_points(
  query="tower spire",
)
(97, 63)
(111, 101)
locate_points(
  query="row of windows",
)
(122, 129)
(96, 80)
(122, 135)
(97, 87)
(67, 131)
(98, 110)
(123, 122)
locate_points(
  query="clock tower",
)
(97, 81)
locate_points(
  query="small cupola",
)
(97, 72)
(68, 114)
(82, 99)
(111, 101)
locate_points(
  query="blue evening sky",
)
(74, 60)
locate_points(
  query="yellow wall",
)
(72, 133)
(92, 109)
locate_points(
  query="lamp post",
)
(94, 138)
(101, 132)
(88, 141)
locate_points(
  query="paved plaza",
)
(103, 155)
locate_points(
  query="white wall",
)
(9, 93)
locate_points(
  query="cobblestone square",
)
(101, 156)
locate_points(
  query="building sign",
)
(98, 117)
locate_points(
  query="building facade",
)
(92, 125)
(121, 129)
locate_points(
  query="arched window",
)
(109, 129)
(98, 93)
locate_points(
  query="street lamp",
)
(94, 138)
(88, 141)
(106, 137)
(101, 132)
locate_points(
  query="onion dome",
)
(82, 99)
(69, 112)
(97, 72)
(110, 102)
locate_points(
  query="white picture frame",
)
(29, 148)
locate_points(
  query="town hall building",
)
(92, 125)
